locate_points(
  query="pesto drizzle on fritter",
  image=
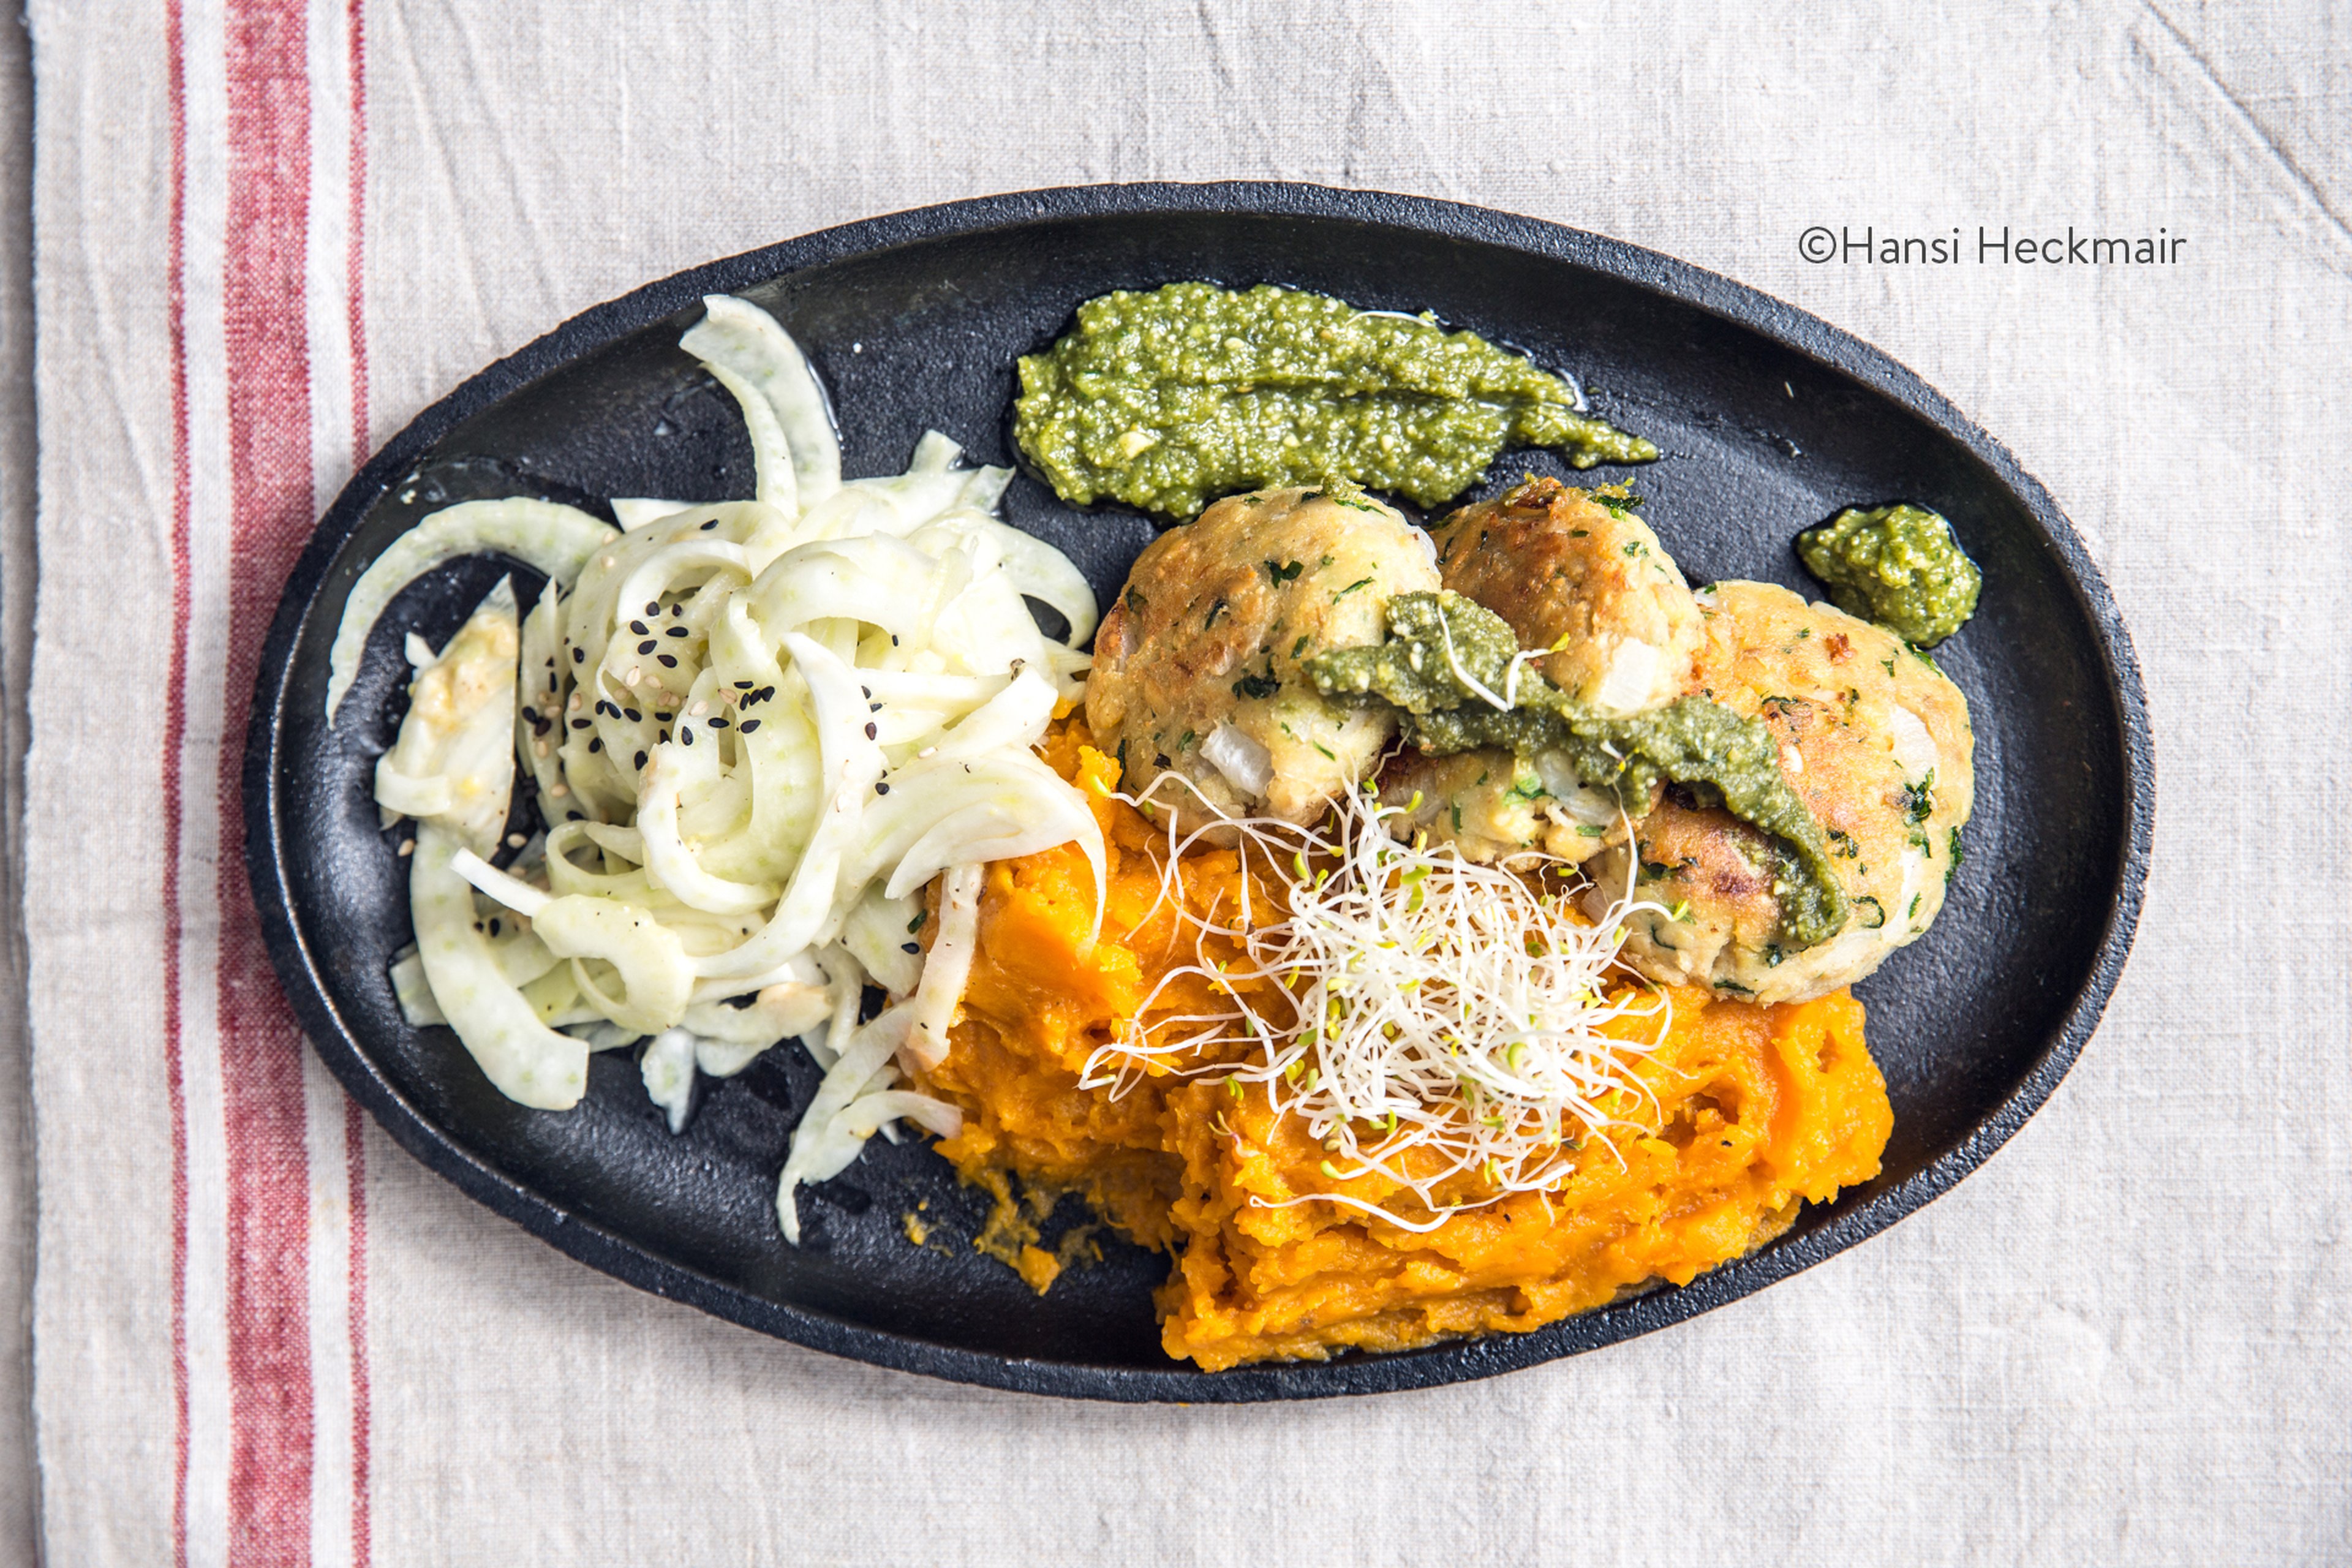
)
(1447, 657)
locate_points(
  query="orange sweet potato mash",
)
(1749, 1112)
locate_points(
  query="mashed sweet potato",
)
(1749, 1112)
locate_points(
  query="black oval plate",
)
(1770, 421)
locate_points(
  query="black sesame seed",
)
(679, 631)
(579, 655)
(881, 789)
(871, 732)
(750, 725)
(648, 646)
(579, 723)
(631, 715)
(494, 925)
(718, 724)
(665, 735)
(712, 524)
(638, 627)
(595, 743)
(666, 659)
(911, 947)
(653, 606)
(874, 708)
(743, 686)
(531, 714)
(573, 815)
(686, 737)
(641, 759)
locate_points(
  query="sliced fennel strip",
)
(756, 730)
(556, 540)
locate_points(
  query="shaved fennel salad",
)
(755, 731)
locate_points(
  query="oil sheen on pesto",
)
(1170, 398)
(1897, 565)
(1690, 741)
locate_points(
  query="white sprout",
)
(1519, 661)
(1429, 1019)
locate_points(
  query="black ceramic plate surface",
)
(1770, 421)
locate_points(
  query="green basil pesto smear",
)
(1689, 741)
(1168, 399)
(1897, 565)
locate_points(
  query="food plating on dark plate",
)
(1971, 1043)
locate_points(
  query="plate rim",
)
(300, 977)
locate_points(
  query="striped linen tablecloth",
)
(270, 231)
(210, 1268)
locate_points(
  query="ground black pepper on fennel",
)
(1691, 741)
(1168, 398)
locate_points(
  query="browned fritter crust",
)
(1872, 737)
(1213, 628)
(1595, 585)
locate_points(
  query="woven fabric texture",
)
(267, 234)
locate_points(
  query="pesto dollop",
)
(1168, 398)
(1898, 565)
(1442, 647)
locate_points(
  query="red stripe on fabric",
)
(268, 352)
(355, 1126)
(355, 271)
(175, 730)
(355, 1176)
